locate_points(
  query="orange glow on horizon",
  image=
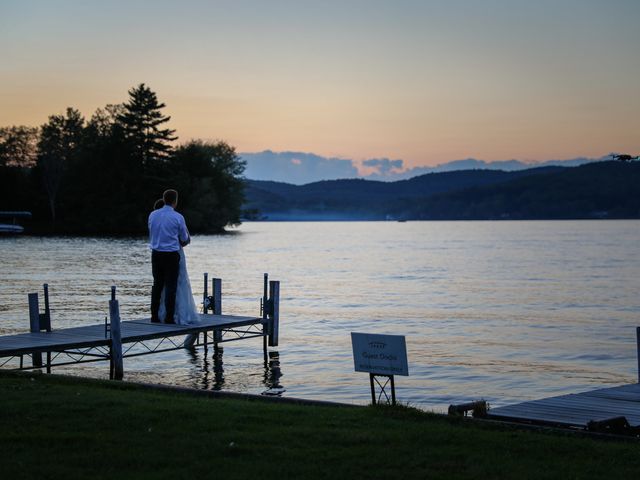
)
(423, 83)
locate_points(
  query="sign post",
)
(382, 356)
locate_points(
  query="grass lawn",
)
(60, 427)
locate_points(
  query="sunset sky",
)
(422, 81)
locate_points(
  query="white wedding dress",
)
(186, 312)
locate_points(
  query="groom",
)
(167, 232)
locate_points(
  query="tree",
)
(141, 120)
(209, 179)
(18, 146)
(59, 141)
(102, 176)
(104, 120)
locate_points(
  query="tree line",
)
(102, 175)
(597, 190)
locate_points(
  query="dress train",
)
(186, 312)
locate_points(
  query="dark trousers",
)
(164, 266)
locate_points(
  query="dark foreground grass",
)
(56, 427)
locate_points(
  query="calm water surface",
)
(505, 311)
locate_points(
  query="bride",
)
(186, 312)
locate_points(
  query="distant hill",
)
(595, 190)
(302, 168)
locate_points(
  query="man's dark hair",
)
(170, 197)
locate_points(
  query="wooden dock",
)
(116, 339)
(577, 410)
(612, 410)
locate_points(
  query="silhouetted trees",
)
(141, 119)
(59, 141)
(102, 176)
(18, 146)
(208, 175)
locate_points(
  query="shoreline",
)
(132, 386)
(234, 230)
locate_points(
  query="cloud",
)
(383, 166)
(300, 168)
(296, 167)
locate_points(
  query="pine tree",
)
(141, 121)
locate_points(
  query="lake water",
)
(503, 311)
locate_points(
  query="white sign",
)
(379, 354)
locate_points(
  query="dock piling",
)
(205, 293)
(34, 324)
(45, 319)
(265, 298)
(216, 293)
(274, 312)
(263, 313)
(216, 290)
(39, 322)
(638, 350)
(116, 370)
(205, 307)
(213, 302)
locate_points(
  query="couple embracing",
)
(171, 297)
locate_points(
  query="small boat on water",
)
(12, 228)
(6, 229)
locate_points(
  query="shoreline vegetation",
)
(101, 176)
(57, 427)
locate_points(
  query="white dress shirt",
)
(167, 229)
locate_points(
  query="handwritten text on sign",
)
(379, 354)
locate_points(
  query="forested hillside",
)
(597, 190)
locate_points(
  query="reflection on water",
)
(218, 368)
(272, 374)
(504, 311)
(208, 373)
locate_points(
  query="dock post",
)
(108, 329)
(116, 372)
(263, 312)
(47, 310)
(274, 317)
(205, 303)
(216, 294)
(638, 350)
(34, 325)
(195, 339)
(45, 320)
(216, 291)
